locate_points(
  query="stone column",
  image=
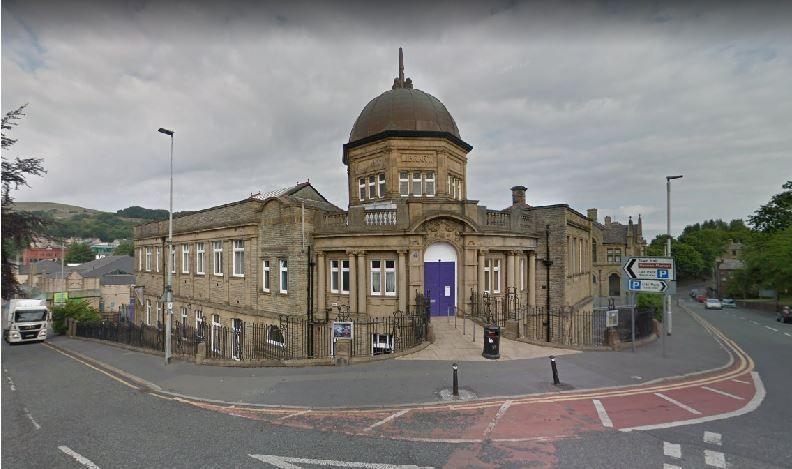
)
(361, 282)
(532, 278)
(321, 287)
(352, 281)
(509, 270)
(402, 292)
(481, 255)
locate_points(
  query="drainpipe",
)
(547, 263)
(310, 310)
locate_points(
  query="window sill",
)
(218, 275)
(238, 276)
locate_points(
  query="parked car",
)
(728, 303)
(713, 303)
(785, 315)
(701, 298)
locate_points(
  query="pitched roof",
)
(107, 265)
(117, 279)
(41, 267)
(615, 233)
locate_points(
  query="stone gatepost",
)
(343, 350)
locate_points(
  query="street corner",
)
(533, 453)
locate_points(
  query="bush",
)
(651, 301)
(80, 310)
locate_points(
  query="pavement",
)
(460, 340)
(400, 382)
(83, 413)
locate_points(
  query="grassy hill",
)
(57, 211)
(66, 221)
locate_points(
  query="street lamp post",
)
(668, 249)
(169, 285)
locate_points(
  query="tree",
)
(125, 248)
(79, 310)
(775, 215)
(79, 253)
(18, 227)
(769, 257)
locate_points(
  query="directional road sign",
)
(650, 268)
(647, 286)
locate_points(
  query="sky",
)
(590, 104)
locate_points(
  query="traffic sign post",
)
(651, 275)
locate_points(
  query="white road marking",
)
(677, 403)
(11, 383)
(742, 317)
(722, 393)
(32, 420)
(714, 459)
(772, 329)
(754, 322)
(503, 408)
(603, 415)
(294, 414)
(78, 457)
(752, 405)
(672, 450)
(713, 438)
(635, 377)
(284, 462)
(740, 381)
(386, 420)
(787, 334)
(671, 466)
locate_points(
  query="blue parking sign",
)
(635, 284)
(662, 273)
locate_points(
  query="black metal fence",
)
(287, 338)
(562, 326)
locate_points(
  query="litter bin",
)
(491, 342)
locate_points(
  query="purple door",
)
(440, 287)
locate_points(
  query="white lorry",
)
(25, 321)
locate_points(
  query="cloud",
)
(589, 105)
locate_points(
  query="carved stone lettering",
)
(420, 159)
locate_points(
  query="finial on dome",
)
(400, 81)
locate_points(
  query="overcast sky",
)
(590, 104)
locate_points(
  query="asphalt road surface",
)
(57, 412)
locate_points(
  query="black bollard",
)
(455, 390)
(555, 370)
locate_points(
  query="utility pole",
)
(668, 250)
(169, 285)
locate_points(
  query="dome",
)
(403, 109)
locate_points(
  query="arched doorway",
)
(440, 260)
(614, 285)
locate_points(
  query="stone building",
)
(410, 228)
(617, 242)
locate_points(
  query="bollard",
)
(455, 386)
(555, 370)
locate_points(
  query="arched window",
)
(614, 285)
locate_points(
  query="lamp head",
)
(668, 178)
(454, 366)
(165, 131)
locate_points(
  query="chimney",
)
(607, 220)
(518, 195)
(592, 214)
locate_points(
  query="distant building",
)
(104, 283)
(41, 251)
(618, 242)
(726, 265)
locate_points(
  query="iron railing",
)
(562, 326)
(287, 338)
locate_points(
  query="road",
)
(57, 412)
